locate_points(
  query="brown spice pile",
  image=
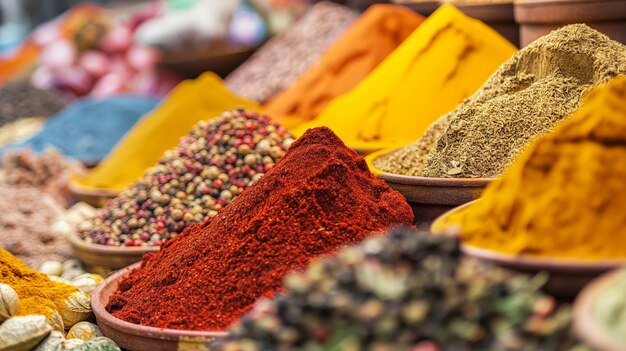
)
(47, 172)
(538, 87)
(25, 224)
(284, 58)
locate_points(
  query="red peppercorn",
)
(217, 184)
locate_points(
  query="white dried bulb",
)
(87, 282)
(51, 268)
(23, 333)
(84, 331)
(9, 302)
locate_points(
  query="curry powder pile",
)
(37, 293)
(565, 195)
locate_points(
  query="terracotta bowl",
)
(430, 197)
(424, 8)
(585, 324)
(539, 17)
(94, 197)
(95, 256)
(567, 277)
(221, 59)
(136, 337)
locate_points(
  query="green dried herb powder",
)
(538, 87)
(405, 291)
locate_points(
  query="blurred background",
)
(254, 20)
(99, 48)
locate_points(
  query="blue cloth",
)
(89, 128)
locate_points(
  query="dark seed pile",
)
(212, 165)
(22, 100)
(404, 292)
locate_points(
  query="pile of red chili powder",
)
(319, 197)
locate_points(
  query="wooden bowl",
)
(567, 277)
(94, 197)
(424, 8)
(539, 17)
(430, 197)
(221, 59)
(136, 337)
(498, 15)
(585, 324)
(96, 256)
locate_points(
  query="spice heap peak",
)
(568, 184)
(211, 166)
(319, 197)
(538, 87)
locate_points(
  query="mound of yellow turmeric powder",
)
(565, 195)
(364, 45)
(191, 101)
(37, 293)
(442, 62)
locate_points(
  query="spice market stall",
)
(308, 201)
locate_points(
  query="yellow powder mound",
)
(191, 101)
(565, 195)
(442, 62)
(37, 293)
(363, 46)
